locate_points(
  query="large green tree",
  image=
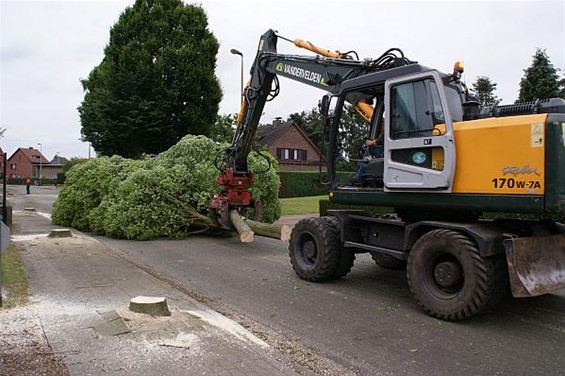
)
(156, 82)
(541, 80)
(483, 89)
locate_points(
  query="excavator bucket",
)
(536, 265)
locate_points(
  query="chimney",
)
(277, 121)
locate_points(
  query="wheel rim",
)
(307, 250)
(446, 277)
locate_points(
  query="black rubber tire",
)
(346, 255)
(314, 249)
(470, 291)
(388, 262)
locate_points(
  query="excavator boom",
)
(325, 71)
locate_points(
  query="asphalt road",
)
(366, 321)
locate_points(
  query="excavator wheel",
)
(448, 277)
(346, 255)
(315, 249)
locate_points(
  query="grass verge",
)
(14, 279)
(301, 205)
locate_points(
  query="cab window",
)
(416, 108)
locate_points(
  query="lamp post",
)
(236, 52)
(40, 161)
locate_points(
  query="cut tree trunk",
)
(281, 232)
(246, 234)
(247, 229)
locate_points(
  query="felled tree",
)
(166, 196)
(86, 185)
(156, 82)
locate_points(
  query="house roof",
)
(272, 133)
(58, 160)
(33, 155)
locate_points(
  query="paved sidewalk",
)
(81, 292)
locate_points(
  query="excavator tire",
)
(346, 255)
(314, 249)
(448, 277)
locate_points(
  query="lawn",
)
(14, 278)
(301, 205)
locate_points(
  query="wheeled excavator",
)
(446, 163)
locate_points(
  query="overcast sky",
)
(48, 46)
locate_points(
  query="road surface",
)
(365, 322)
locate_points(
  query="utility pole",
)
(40, 161)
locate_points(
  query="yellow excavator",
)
(442, 164)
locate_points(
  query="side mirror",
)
(324, 105)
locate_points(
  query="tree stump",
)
(154, 306)
(60, 233)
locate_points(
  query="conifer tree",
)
(540, 80)
(156, 82)
(483, 89)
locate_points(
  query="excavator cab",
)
(411, 120)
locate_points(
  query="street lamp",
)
(236, 52)
(40, 161)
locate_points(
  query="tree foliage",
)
(165, 196)
(541, 80)
(156, 82)
(483, 89)
(352, 133)
(222, 130)
(312, 123)
(73, 161)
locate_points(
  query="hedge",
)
(35, 181)
(306, 183)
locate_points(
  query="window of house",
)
(284, 154)
(13, 166)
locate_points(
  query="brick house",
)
(56, 165)
(27, 162)
(291, 146)
(2, 161)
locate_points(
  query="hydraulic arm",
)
(326, 71)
